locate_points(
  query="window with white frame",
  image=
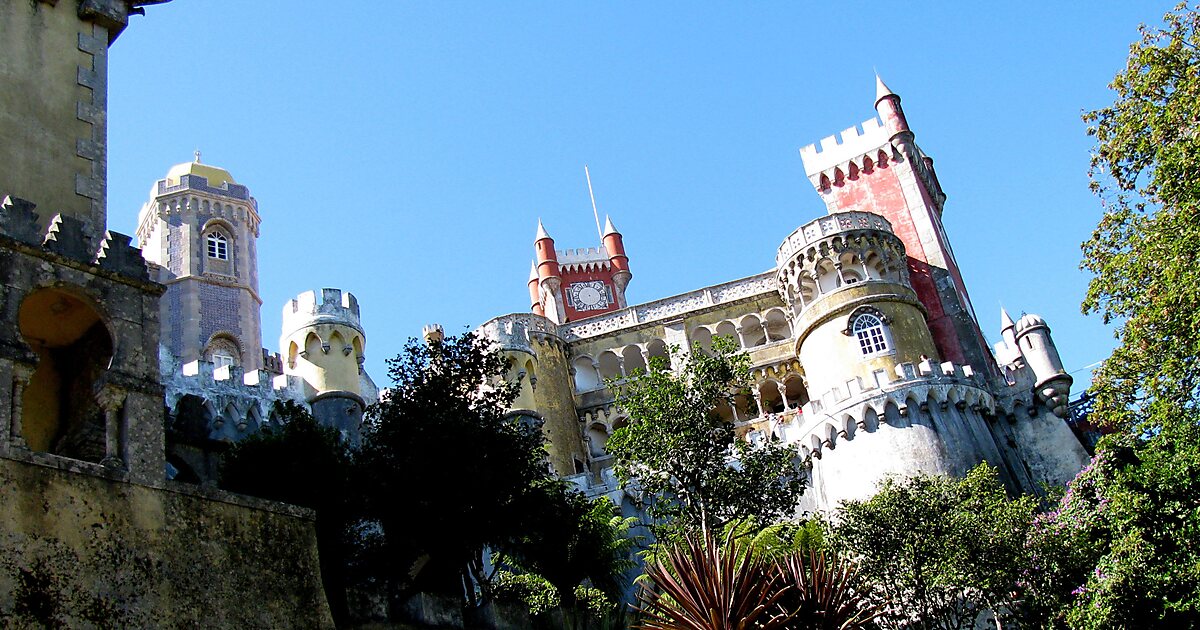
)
(218, 246)
(868, 330)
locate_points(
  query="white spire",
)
(541, 233)
(881, 89)
(608, 226)
(533, 274)
(1006, 322)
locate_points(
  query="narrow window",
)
(218, 246)
(868, 329)
(222, 359)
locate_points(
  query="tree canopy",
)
(938, 551)
(685, 459)
(1142, 253)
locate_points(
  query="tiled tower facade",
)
(199, 230)
(566, 285)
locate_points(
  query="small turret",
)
(433, 333)
(549, 276)
(1007, 329)
(324, 341)
(615, 245)
(534, 297)
(1053, 385)
(547, 258)
(887, 103)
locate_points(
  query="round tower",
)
(1053, 385)
(549, 276)
(323, 342)
(534, 294)
(845, 278)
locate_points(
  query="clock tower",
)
(572, 284)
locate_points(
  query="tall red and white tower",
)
(881, 169)
(571, 284)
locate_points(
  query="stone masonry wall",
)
(80, 551)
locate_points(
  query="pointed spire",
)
(608, 226)
(1006, 322)
(533, 275)
(881, 89)
(541, 232)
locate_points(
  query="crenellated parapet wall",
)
(838, 412)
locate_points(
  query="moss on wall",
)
(80, 551)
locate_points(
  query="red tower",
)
(572, 284)
(881, 169)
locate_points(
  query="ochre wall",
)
(79, 551)
(39, 66)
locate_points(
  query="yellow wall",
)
(39, 61)
(323, 372)
(830, 357)
(553, 398)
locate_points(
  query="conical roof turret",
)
(608, 226)
(541, 232)
(1006, 322)
(882, 91)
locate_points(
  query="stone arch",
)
(752, 331)
(778, 328)
(870, 420)
(723, 410)
(61, 412)
(312, 345)
(768, 393)
(657, 349)
(727, 329)
(586, 377)
(610, 366)
(702, 337)
(794, 391)
(597, 437)
(634, 362)
(223, 349)
(827, 276)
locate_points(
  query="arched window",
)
(868, 330)
(222, 352)
(218, 246)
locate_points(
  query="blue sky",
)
(404, 151)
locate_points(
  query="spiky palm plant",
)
(705, 585)
(823, 593)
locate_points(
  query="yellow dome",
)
(216, 176)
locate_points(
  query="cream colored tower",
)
(323, 342)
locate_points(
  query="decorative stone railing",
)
(809, 233)
(513, 331)
(671, 307)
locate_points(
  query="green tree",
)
(1123, 548)
(445, 471)
(1142, 253)
(685, 459)
(305, 464)
(938, 551)
(576, 540)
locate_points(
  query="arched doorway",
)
(61, 413)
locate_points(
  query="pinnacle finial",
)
(541, 232)
(881, 89)
(1006, 322)
(608, 226)
(197, 156)
(533, 274)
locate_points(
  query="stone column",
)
(766, 335)
(111, 398)
(21, 376)
(783, 396)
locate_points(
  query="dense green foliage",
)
(305, 464)
(685, 459)
(444, 471)
(1143, 251)
(1123, 548)
(938, 551)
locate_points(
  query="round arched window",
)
(868, 329)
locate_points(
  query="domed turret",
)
(1053, 383)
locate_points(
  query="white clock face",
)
(588, 296)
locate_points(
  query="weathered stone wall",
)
(81, 551)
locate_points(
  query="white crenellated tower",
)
(323, 343)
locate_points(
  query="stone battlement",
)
(334, 307)
(200, 183)
(840, 149)
(582, 255)
(67, 236)
(813, 231)
(517, 331)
